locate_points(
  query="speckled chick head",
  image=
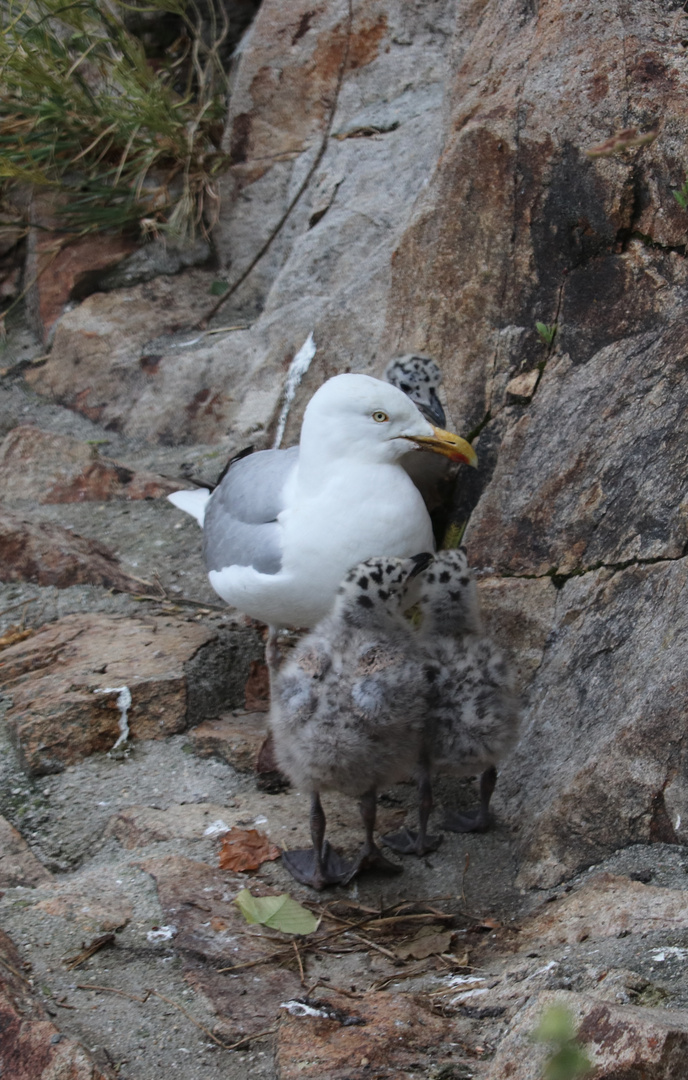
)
(420, 378)
(448, 599)
(376, 589)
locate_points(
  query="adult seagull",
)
(284, 526)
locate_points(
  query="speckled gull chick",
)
(434, 476)
(283, 526)
(472, 714)
(420, 379)
(348, 712)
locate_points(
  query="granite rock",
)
(594, 472)
(44, 467)
(620, 1040)
(235, 739)
(66, 680)
(604, 734)
(32, 1047)
(48, 554)
(18, 864)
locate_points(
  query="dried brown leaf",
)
(427, 942)
(488, 923)
(246, 849)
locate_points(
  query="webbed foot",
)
(304, 865)
(407, 842)
(371, 858)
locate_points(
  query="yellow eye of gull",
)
(380, 417)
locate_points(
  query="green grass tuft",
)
(130, 144)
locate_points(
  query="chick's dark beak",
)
(421, 561)
(432, 410)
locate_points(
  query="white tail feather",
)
(191, 502)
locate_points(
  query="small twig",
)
(14, 971)
(453, 961)
(399, 976)
(180, 602)
(298, 960)
(316, 905)
(62, 1005)
(281, 954)
(114, 990)
(330, 986)
(475, 918)
(249, 1038)
(372, 945)
(375, 924)
(227, 329)
(339, 950)
(89, 950)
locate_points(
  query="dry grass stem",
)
(298, 960)
(113, 990)
(89, 950)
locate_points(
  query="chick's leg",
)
(370, 857)
(407, 842)
(320, 865)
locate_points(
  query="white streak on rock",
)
(297, 369)
(216, 828)
(298, 1008)
(123, 704)
(163, 933)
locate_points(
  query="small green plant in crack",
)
(546, 332)
(567, 1059)
(681, 195)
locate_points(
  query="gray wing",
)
(240, 526)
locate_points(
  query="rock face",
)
(489, 182)
(47, 554)
(594, 472)
(620, 1041)
(453, 175)
(602, 760)
(18, 865)
(608, 905)
(32, 1047)
(48, 468)
(329, 268)
(65, 683)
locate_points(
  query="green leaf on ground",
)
(279, 912)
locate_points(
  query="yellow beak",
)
(448, 444)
